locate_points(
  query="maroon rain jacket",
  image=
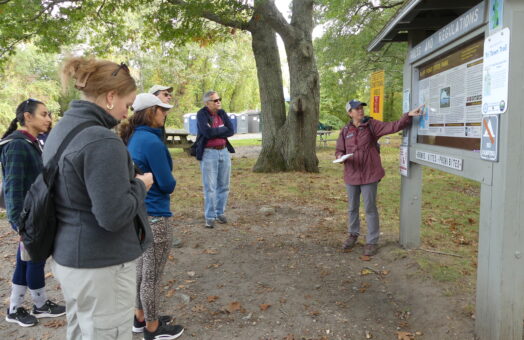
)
(365, 166)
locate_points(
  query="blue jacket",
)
(150, 154)
(206, 132)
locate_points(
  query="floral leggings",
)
(150, 267)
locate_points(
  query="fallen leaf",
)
(364, 286)
(365, 258)
(366, 272)
(55, 323)
(385, 272)
(171, 258)
(369, 335)
(405, 336)
(289, 337)
(212, 298)
(170, 293)
(48, 275)
(314, 313)
(199, 309)
(210, 251)
(233, 307)
(264, 306)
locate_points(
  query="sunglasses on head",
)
(121, 66)
(216, 100)
(27, 102)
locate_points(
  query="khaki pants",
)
(99, 301)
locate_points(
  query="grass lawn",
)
(449, 218)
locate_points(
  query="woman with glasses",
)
(21, 158)
(145, 142)
(99, 199)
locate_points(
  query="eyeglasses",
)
(216, 100)
(121, 66)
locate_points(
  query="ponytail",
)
(28, 105)
(12, 127)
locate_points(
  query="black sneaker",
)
(138, 326)
(49, 310)
(164, 332)
(210, 224)
(21, 317)
(222, 219)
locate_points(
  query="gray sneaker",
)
(222, 219)
(177, 243)
(210, 223)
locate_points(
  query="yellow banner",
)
(376, 103)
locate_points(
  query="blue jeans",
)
(216, 170)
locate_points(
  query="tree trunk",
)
(289, 144)
(298, 136)
(269, 73)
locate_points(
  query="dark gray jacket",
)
(99, 203)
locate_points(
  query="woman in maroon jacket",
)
(363, 170)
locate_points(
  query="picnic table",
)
(323, 137)
(177, 138)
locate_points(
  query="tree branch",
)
(2, 2)
(215, 17)
(274, 18)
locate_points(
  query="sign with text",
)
(450, 88)
(452, 31)
(442, 160)
(495, 73)
(489, 145)
(376, 103)
(404, 161)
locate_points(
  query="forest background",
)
(225, 63)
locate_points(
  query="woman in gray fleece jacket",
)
(102, 221)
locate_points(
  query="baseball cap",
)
(156, 88)
(146, 100)
(353, 104)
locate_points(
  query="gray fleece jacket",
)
(99, 203)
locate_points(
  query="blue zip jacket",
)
(150, 154)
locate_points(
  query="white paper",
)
(343, 158)
(495, 73)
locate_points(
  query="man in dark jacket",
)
(212, 151)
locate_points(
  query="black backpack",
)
(37, 224)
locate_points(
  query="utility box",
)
(253, 122)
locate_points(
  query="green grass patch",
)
(246, 142)
(450, 212)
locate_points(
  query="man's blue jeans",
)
(216, 170)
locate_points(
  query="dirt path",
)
(277, 272)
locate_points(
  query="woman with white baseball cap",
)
(145, 142)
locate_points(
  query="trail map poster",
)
(450, 88)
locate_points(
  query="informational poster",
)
(496, 11)
(404, 161)
(495, 73)
(450, 88)
(489, 143)
(377, 96)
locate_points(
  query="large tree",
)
(288, 137)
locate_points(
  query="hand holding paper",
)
(343, 158)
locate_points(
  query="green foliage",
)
(28, 74)
(344, 63)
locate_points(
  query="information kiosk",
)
(465, 64)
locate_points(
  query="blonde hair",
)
(96, 77)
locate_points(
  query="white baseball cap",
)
(156, 88)
(147, 100)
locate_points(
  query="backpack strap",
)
(53, 162)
